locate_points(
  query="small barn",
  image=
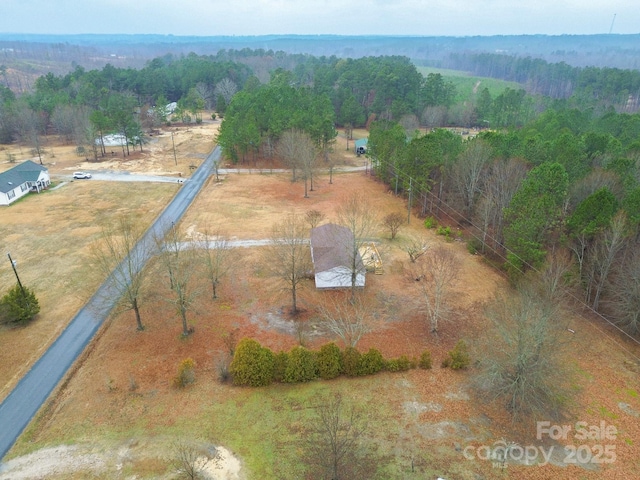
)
(26, 177)
(361, 146)
(331, 253)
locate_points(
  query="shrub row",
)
(254, 365)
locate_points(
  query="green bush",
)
(458, 358)
(430, 222)
(351, 362)
(425, 360)
(371, 362)
(474, 246)
(301, 366)
(280, 362)
(400, 364)
(444, 231)
(252, 364)
(19, 305)
(186, 373)
(329, 361)
(514, 267)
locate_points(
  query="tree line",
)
(589, 86)
(566, 183)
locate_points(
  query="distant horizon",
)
(415, 18)
(310, 35)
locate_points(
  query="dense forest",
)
(553, 176)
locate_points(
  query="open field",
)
(117, 415)
(468, 85)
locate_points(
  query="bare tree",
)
(595, 180)
(334, 442)
(554, 281)
(218, 258)
(434, 116)
(226, 88)
(179, 264)
(624, 302)
(411, 124)
(63, 121)
(436, 274)
(347, 318)
(31, 129)
(524, 368)
(289, 149)
(120, 255)
(484, 215)
(604, 251)
(357, 215)
(288, 257)
(468, 172)
(81, 124)
(415, 247)
(308, 161)
(314, 217)
(498, 188)
(190, 459)
(300, 153)
(393, 222)
(206, 93)
(330, 163)
(86, 137)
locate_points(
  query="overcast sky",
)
(347, 17)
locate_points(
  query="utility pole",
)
(409, 203)
(175, 159)
(13, 265)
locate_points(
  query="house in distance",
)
(332, 250)
(26, 177)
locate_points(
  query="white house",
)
(332, 250)
(22, 179)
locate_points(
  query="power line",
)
(428, 192)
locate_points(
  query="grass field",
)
(467, 86)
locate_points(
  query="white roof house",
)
(21, 179)
(332, 250)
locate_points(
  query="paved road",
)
(32, 391)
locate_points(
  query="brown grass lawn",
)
(121, 397)
(50, 234)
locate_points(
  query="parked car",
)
(81, 175)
